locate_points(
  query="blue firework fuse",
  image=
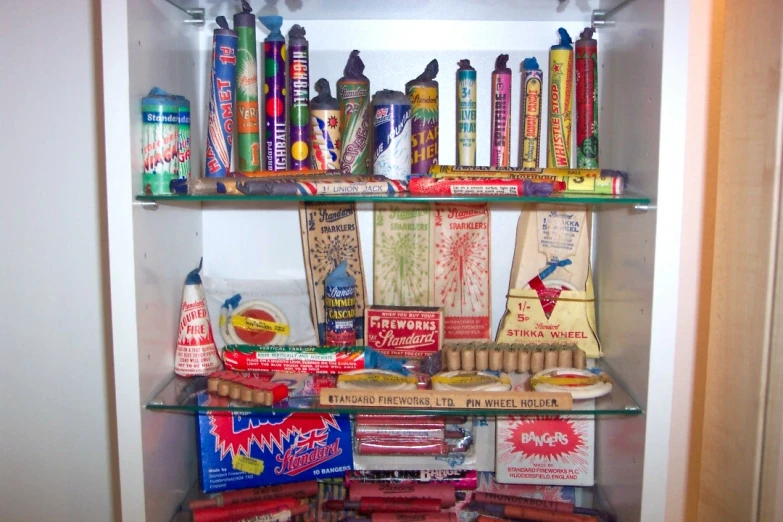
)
(392, 125)
(221, 100)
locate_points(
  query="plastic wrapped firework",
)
(561, 58)
(530, 133)
(299, 96)
(392, 134)
(500, 137)
(306, 359)
(221, 100)
(353, 93)
(183, 142)
(248, 145)
(324, 128)
(328, 185)
(160, 131)
(466, 114)
(274, 94)
(423, 92)
(587, 101)
(425, 185)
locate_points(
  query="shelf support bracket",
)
(146, 205)
(197, 16)
(645, 208)
(602, 18)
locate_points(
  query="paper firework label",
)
(546, 450)
(404, 331)
(330, 235)
(196, 351)
(461, 245)
(403, 255)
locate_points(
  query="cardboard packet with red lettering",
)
(461, 239)
(404, 331)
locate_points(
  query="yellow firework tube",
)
(561, 71)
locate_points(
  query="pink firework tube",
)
(587, 101)
(404, 420)
(274, 94)
(397, 446)
(444, 492)
(299, 99)
(500, 136)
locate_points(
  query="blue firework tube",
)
(392, 125)
(299, 96)
(274, 94)
(221, 101)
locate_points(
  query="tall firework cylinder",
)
(160, 131)
(221, 101)
(324, 128)
(423, 92)
(500, 137)
(183, 142)
(248, 145)
(274, 94)
(586, 101)
(561, 59)
(299, 96)
(392, 130)
(530, 131)
(466, 114)
(353, 93)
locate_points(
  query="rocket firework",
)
(586, 101)
(392, 125)
(274, 94)
(530, 132)
(247, 91)
(423, 92)
(353, 93)
(324, 128)
(561, 58)
(299, 96)
(221, 100)
(466, 114)
(160, 131)
(183, 142)
(500, 141)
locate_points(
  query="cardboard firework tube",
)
(495, 359)
(324, 128)
(528, 513)
(274, 94)
(297, 490)
(537, 361)
(466, 114)
(391, 155)
(183, 143)
(299, 99)
(444, 492)
(565, 357)
(587, 101)
(353, 93)
(407, 517)
(500, 137)
(482, 359)
(221, 101)
(523, 364)
(243, 510)
(459, 479)
(468, 359)
(530, 130)
(483, 186)
(423, 92)
(248, 145)
(160, 131)
(507, 500)
(509, 359)
(580, 359)
(561, 59)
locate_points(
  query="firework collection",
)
(426, 341)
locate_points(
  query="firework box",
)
(403, 255)
(461, 244)
(330, 234)
(552, 450)
(404, 331)
(239, 451)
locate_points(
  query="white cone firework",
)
(196, 350)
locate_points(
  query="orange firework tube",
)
(530, 131)
(587, 101)
(500, 130)
(561, 59)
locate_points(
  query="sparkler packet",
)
(330, 234)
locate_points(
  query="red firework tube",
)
(296, 490)
(407, 517)
(409, 432)
(443, 492)
(460, 479)
(386, 505)
(395, 446)
(505, 500)
(586, 101)
(404, 420)
(483, 187)
(500, 141)
(243, 509)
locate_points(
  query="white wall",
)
(55, 415)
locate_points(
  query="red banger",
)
(404, 331)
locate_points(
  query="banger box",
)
(404, 331)
(239, 451)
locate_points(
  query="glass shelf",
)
(627, 199)
(181, 395)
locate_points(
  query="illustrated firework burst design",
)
(332, 122)
(247, 77)
(329, 251)
(426, 114)
(402, 268)
(462, 266)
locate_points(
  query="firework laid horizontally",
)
(403, 255)
(461, 244)
(423, 92)
(299, 99)
(561, 59)
(587, 101)
(466, 114)
(353, 93)
(305, 359)
(530, 133)
(159, 131)
(221, 101)
(392, 130)
(274, 94)
(248, 145)
(482, 186)
(328, 185)
(330, 234)
(500, 126)
(546, 497)
(324, 128)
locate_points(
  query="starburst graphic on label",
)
(332, 122)
(247, 77)
(558, 440)
(462, 265)
(426, 115)
(402, 268)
